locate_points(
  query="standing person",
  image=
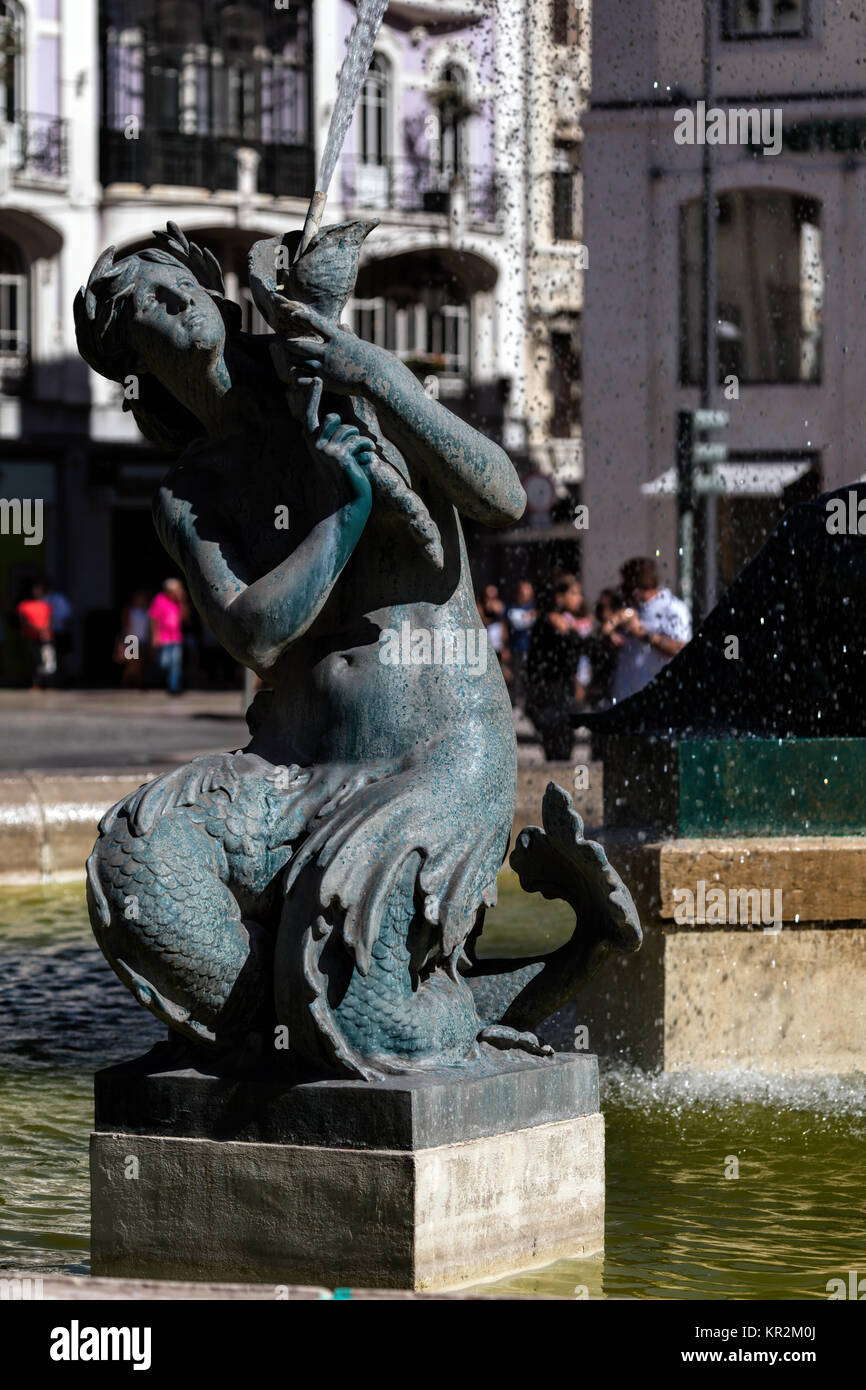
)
(554, 651)
(135, 622)
(521, 620)
(492, 613)
(583, 624)
(61, 614)
(605, 647)
(490, 605)
(34, 615)
(166, 632)
(655, 624)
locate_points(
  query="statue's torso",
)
(397, 656)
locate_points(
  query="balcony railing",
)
(416, 186)
(203, 161)
(38, 146)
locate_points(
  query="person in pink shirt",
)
(166, 632)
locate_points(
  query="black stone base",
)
(705, 787)
(401, 1112)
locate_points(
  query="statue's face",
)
(171, 314)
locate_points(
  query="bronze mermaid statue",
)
(328, 882)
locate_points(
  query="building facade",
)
(783, 270)
(121, 114)
(557, 93)
(556, 79)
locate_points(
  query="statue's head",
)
(159, 316)
(323, 276)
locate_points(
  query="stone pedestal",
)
(420, 1183)
(742, 830)
(713, 995)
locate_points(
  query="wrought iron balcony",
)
(38, 146)
(416, 186)
(203, 161)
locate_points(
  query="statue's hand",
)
(351, 451)
(345, 362)
(303, 393)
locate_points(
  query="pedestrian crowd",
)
(159, 640)
(560, 659)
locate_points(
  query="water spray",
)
(359, 52)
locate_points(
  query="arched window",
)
(566, 162)
(242, 28)
(420, 311)
(769, 287)
(453, 105)
(565, 373)
(237, 78)
(11, 55)
(14, 313)
(374, 111)
(179, 21)
(566, 21)
(429, 331)
(176, 27)
(170, 68)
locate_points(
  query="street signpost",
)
(696, 460)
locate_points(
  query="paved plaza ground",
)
(94, 730)
(88, 730)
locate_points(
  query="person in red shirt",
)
(34, 614)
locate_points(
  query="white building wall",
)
(636, 178)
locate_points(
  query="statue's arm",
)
(473, 472)
(256, 622)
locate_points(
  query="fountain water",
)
(359, 51)
(679, 1225)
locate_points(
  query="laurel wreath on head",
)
(94, 312)
(202, 262)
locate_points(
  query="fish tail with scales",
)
(181, 885)
(232, 894)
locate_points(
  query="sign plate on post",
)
(709, 453)
(711, 484)
(710, 419)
